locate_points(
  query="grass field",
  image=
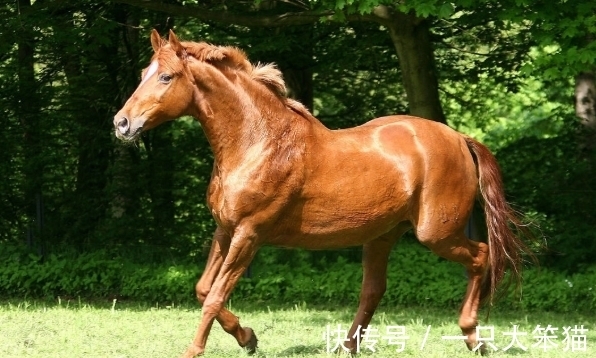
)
(74, 329)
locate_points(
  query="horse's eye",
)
(165, 78)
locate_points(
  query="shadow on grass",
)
(300, 350)
(319, 313)
(516, 352)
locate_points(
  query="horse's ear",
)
(156, 40)
(176, 45)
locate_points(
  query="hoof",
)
(251, 346)
(192, 351)
(482, 350)
(343, 353)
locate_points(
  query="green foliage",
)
(490, 113)
(416, 277)
(93, 275)
(553, 291)
(564, 31)
(554, 177)
(350, 90)
(505, 69)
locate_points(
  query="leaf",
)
(446, 10)
(425, 10)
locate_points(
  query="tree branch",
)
(226, 17)
(380, 14)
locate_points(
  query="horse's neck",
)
(238, 123)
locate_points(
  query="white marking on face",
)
(150, 71)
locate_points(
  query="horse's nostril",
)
(123, 125)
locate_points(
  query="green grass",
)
(74, 329)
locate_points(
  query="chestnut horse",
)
(280, 177)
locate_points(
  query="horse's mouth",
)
(130, 136)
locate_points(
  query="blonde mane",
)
(267, 74)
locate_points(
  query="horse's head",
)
(165, 92)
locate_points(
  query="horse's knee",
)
(201, 290)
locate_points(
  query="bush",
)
(416, 277)
(555, 178)
(93, 275)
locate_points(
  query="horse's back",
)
(430, 143)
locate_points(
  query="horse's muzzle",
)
(125, 129)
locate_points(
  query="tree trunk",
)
(585, 99)
(300, 85)
(585, 108)
(411, 38)
(28, 113)
(125, 188)
(91, 75)
(159, 148)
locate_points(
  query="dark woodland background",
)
(517, 75)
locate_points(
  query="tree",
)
(409, 33)
(503, 70)
(29, 116)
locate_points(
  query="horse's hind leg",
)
(229, 322)
(375, 255)
(474, 256)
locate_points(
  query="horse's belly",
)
(335, 223)
(313, 238)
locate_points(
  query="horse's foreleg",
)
(227, 261)
(375, 255)
(229, 322)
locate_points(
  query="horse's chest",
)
(229, 195)
(241, 195)
(228, 198)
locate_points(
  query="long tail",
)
(505, 229)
